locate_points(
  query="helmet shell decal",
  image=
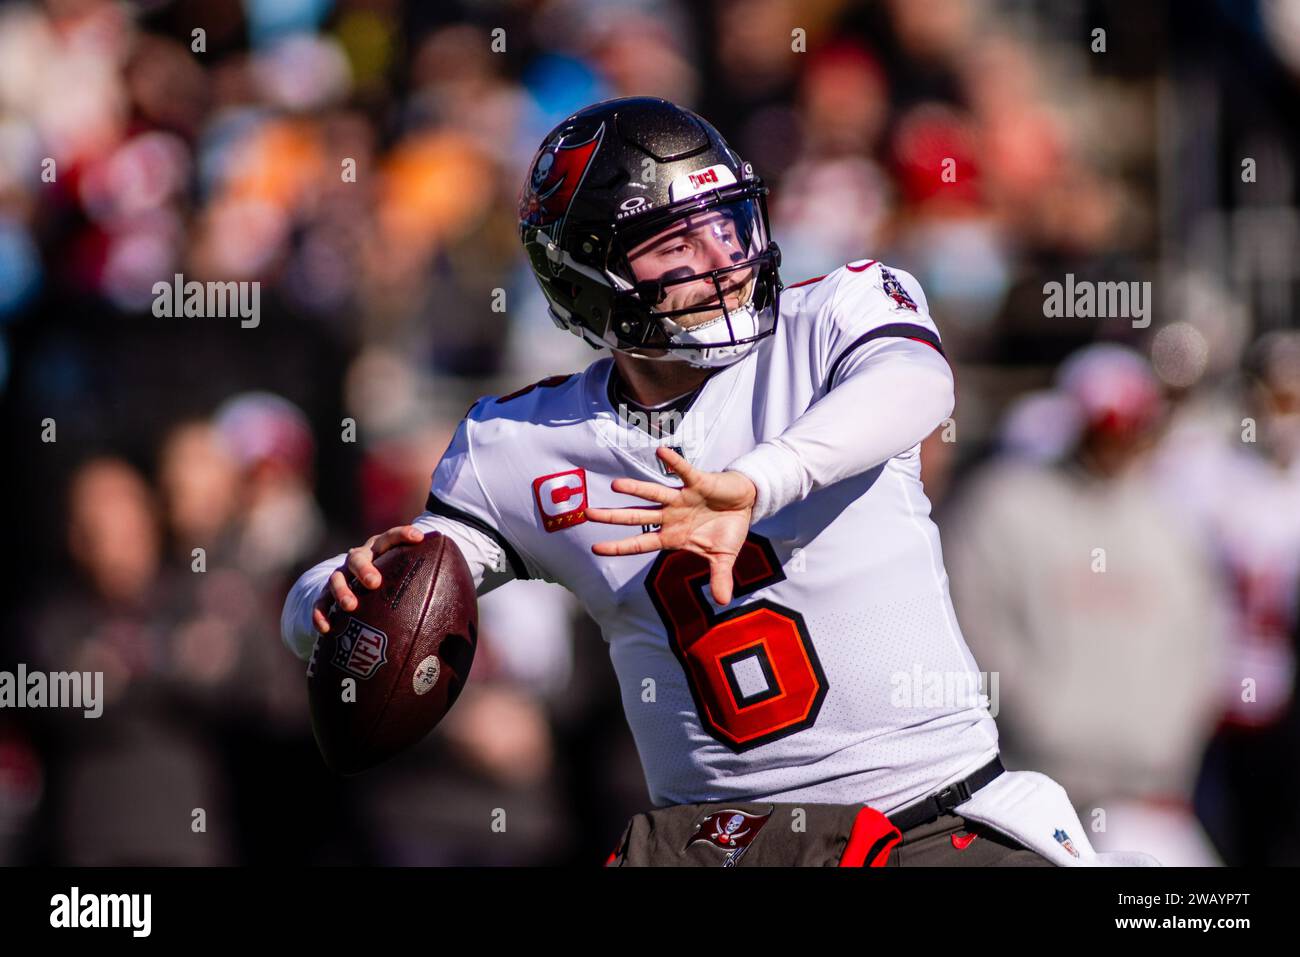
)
(557, 172)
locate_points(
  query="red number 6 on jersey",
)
(752, 671)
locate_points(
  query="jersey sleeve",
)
(457, 492)
(908, 388)
(869, 302)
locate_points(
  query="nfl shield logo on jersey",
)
(361, 650)
(665, 469)
(561, 499)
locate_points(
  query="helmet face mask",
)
(702, 282)
(699, 261)
(658, 246)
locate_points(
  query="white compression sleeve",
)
(890, 394)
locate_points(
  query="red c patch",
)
(561, 499)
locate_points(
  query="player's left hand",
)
(708, 515)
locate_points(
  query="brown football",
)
(387, 672)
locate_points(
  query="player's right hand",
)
(360, 565)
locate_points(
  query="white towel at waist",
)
(1033, 809)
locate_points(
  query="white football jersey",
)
(838, 673)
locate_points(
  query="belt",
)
(941, 802)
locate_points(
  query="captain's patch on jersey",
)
(561, 499)
(895, 291)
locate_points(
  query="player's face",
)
(693, 245)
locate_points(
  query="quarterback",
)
(734, 495)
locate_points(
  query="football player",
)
(734, 495)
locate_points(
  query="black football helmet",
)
(619, 173)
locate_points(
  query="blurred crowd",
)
(1120, 507)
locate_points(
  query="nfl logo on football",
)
(361, 650)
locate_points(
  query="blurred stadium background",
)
(1169, 158)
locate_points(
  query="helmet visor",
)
(698, 265)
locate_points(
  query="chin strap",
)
(708, 352)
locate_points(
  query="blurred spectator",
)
(1099, 615)
(1237, 480)
(279, 524)
(130, 786)
(1040, 427)
(835, 198)
(198, 479)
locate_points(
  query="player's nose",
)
(717, 255)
